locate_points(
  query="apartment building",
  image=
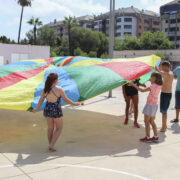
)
(170, 21)
(83, 21)
(130, 21)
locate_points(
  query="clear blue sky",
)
(48, 10)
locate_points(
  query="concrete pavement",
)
(95, 145)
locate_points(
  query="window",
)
(172, 29)
(156, 23)
(127, 33)
(172, 15)
(177, 46)
(100, 22)
(139, 34)
(96, 23)
(107, 28)
(178, 20)
(127, 26)
(166, 30)
(139, 26)
(178, 38)
(140, 20)
(155, 30)
(88, 26)
(146, 28)
(173, 21)
(127, 19)
(167, 21)
(172, 38)
(118, 20)
(118, 34)
(107, 21)
(118, 27)
(146, 21)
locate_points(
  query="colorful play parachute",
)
(21, 83)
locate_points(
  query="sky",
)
(48, 10)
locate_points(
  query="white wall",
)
(15, 52)
(173, 54)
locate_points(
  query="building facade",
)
(130, 21)
(84, 21)
(10, 53)
(170, 21)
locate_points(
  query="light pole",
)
(111, 33)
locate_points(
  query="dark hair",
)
(158, 77)
(166, 63)
(52, 77)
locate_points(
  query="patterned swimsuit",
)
(53, 110)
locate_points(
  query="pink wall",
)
(32, 52)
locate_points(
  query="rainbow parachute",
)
(21, 83)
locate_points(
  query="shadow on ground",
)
(85, 134)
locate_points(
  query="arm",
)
(67, 100)
(41, 100)
(157, 69)
(143, 85)
(140, 89)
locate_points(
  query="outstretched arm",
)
(41, 100)
(140, 89)
(67, 100)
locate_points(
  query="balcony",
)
(172, 33)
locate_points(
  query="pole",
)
(111, 34)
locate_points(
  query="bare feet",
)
(52, 149)
(163, 129)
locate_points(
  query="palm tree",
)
(69, 22)
(35, 22)
(22, 3)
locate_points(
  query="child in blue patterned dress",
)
(52, 110)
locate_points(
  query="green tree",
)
(5, 40)
(104, 56)
(92, 54)
(63, 49)
(35, 23)
(78, 52)
(88, 40)
(22, 3)
(69, 22)
(45, 36)
(147, 41)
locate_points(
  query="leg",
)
(59, 124)
(135, 100)
(177, 106)
(164, 105)
(154, 127)
(128, 99)
(164, 123)
(131, 108)
(177, 114)
(147, 125)
(50, 124)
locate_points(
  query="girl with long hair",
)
(53, 110)
(151, 106)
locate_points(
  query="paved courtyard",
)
(95, 145)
